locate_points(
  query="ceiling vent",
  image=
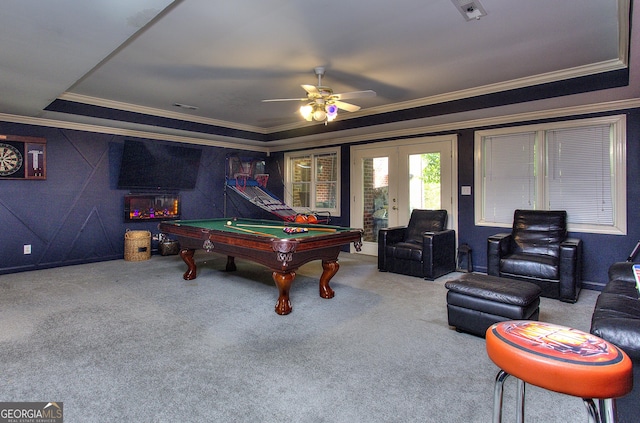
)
(470, 9)
(185, 106)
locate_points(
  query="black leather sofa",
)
(616, 318)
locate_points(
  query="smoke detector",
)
(470, 9)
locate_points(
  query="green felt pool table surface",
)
(261, 227)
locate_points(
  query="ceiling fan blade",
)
(311, 89)
(285, 99)
(346, 106)
(354, 94)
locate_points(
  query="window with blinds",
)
(509, 180)
(577, 166)
(579, 174)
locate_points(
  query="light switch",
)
(465, 190)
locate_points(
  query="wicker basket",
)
(137, 245)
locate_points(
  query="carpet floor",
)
(122, 341)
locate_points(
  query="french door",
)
(390, 179)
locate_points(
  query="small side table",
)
(464, 262)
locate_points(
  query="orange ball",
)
(301, 218)
(312, 218)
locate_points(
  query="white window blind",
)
(579, 174)
(509, 175)
(576, 165)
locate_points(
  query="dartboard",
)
(10, 159)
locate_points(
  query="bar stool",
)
(559, 359)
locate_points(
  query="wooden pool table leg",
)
(283, 282)
(187, 256)
(329, 268)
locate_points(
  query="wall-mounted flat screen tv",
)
(158, 166)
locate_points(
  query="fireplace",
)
(151, 207)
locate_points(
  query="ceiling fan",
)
(323, 103)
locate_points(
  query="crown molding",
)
(128, 107)
(334, 138)
(321, 140)
(577, 72)
(545, 78)
(87, 127)
(624, 29)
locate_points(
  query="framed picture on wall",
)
(23, 157)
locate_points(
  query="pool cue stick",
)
(288, 226)
(261, 226)
(248, 231)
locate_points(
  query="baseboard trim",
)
(32, 267)
(593, 286)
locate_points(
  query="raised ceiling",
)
(224, 57)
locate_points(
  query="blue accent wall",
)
(600, 251)
(76, 215)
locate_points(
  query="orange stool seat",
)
(559, 359)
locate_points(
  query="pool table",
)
(265, 242)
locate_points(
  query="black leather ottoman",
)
(476, 301)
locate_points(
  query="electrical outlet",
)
(27, 248)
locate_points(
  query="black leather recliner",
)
(423, 248)
(538, 250)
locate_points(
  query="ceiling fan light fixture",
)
(323, 104)
(332, 112)
(307, 112)
(319, 114)
(319, 111)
